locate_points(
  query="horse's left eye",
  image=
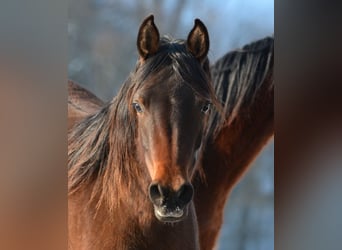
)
(137, 107)
(205, 108)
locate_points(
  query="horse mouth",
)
(165, 214)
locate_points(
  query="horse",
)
(131, 164)
(243, 82)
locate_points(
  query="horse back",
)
(81, 103)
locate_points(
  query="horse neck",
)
(225, 160)
(239, 142)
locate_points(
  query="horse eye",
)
(205, 108)
(137, 107)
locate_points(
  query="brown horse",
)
(132, 162)
(243, 81)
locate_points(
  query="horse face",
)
(170, 119)
(169, 134)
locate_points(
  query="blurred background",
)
(102, 52)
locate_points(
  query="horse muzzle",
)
(164, 214)
(170, 205)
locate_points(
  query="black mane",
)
(237, 76)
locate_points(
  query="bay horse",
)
(130, 164)
(243, 82)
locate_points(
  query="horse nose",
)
(185, 193)
(160, 195)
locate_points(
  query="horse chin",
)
(164, 214)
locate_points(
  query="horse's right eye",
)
(137, 107)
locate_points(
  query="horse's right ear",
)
(148, 38)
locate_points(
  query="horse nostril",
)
(185, 194)
(154, 192)
(160, 195)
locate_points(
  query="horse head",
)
(171, 105)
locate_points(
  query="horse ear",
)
(148, 38)
(198, 40)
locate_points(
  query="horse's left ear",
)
(198, 40)
(148, 38)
